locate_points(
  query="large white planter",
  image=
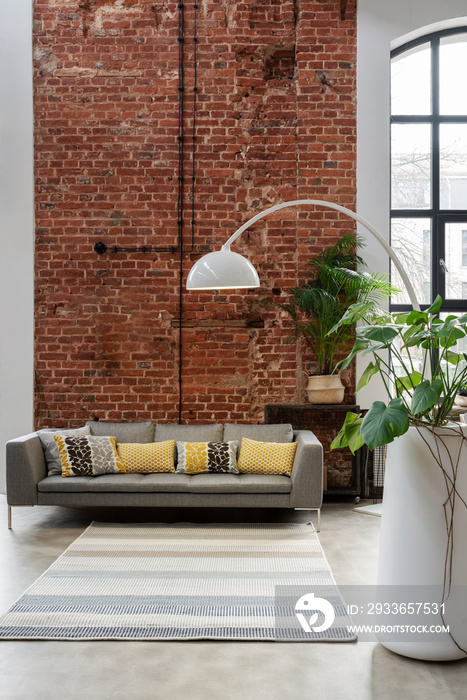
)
(414, 537)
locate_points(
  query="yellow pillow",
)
(147, 458)
(266, 457)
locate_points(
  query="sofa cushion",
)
(168, 483)
(124, 432)
(53, 484)
(281, 432)
(148, 458)
(122, 483)
(207, 457)
(239, 483)
(189, 433)
(52, 458)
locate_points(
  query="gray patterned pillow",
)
(207, 457)
(50, 448)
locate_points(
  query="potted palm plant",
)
(424, 520)
(337, 284)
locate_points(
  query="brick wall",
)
(275, 121)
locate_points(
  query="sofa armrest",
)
(307, 472)
(25, 467)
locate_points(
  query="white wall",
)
(380, 25)
(16, 223)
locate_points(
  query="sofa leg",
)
(9, 514)
(318, 512)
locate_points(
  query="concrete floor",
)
(202, 670)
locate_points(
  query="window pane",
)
(411, 240)
(456, 260)
(416, 358)
(460, 347)
(410, 166)
(452, 65)
(453, 166)
(410, 81)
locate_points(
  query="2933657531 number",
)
(401, 608)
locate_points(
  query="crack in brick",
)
(323, 78)
(279, 62)
(160, 12)
(94, 11)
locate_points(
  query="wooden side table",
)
(342, 470)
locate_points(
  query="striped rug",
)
(183, 582)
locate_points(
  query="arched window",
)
(429, 167)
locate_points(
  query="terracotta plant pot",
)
(325, 388)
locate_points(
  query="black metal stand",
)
(342, 470)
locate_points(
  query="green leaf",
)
(374, 348)
(426, 395)
(340, 440)
(417, 318)
(436, 305)
(380, 334)
(353, 433)
(349, 434)
(411, 331)
(383, 423)
(409, 382)
(368, 373)
(416, 339)
(455, 335)
(359, 346)
(354, 313)
(447, 328)
(454, 357)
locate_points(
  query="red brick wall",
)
(275, 121)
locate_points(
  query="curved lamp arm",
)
(226, 270)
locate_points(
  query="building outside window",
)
(429, 168)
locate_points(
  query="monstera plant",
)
(419, 393)
(417, 356)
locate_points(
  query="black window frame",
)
(438, 217)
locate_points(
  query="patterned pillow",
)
(147, 458)
(207, 457)
(52, 458)
(88, 455)
(266, 457)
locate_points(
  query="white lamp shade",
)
(222, 270)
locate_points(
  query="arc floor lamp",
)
(225, 269)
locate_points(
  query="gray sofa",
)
(29, 485)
